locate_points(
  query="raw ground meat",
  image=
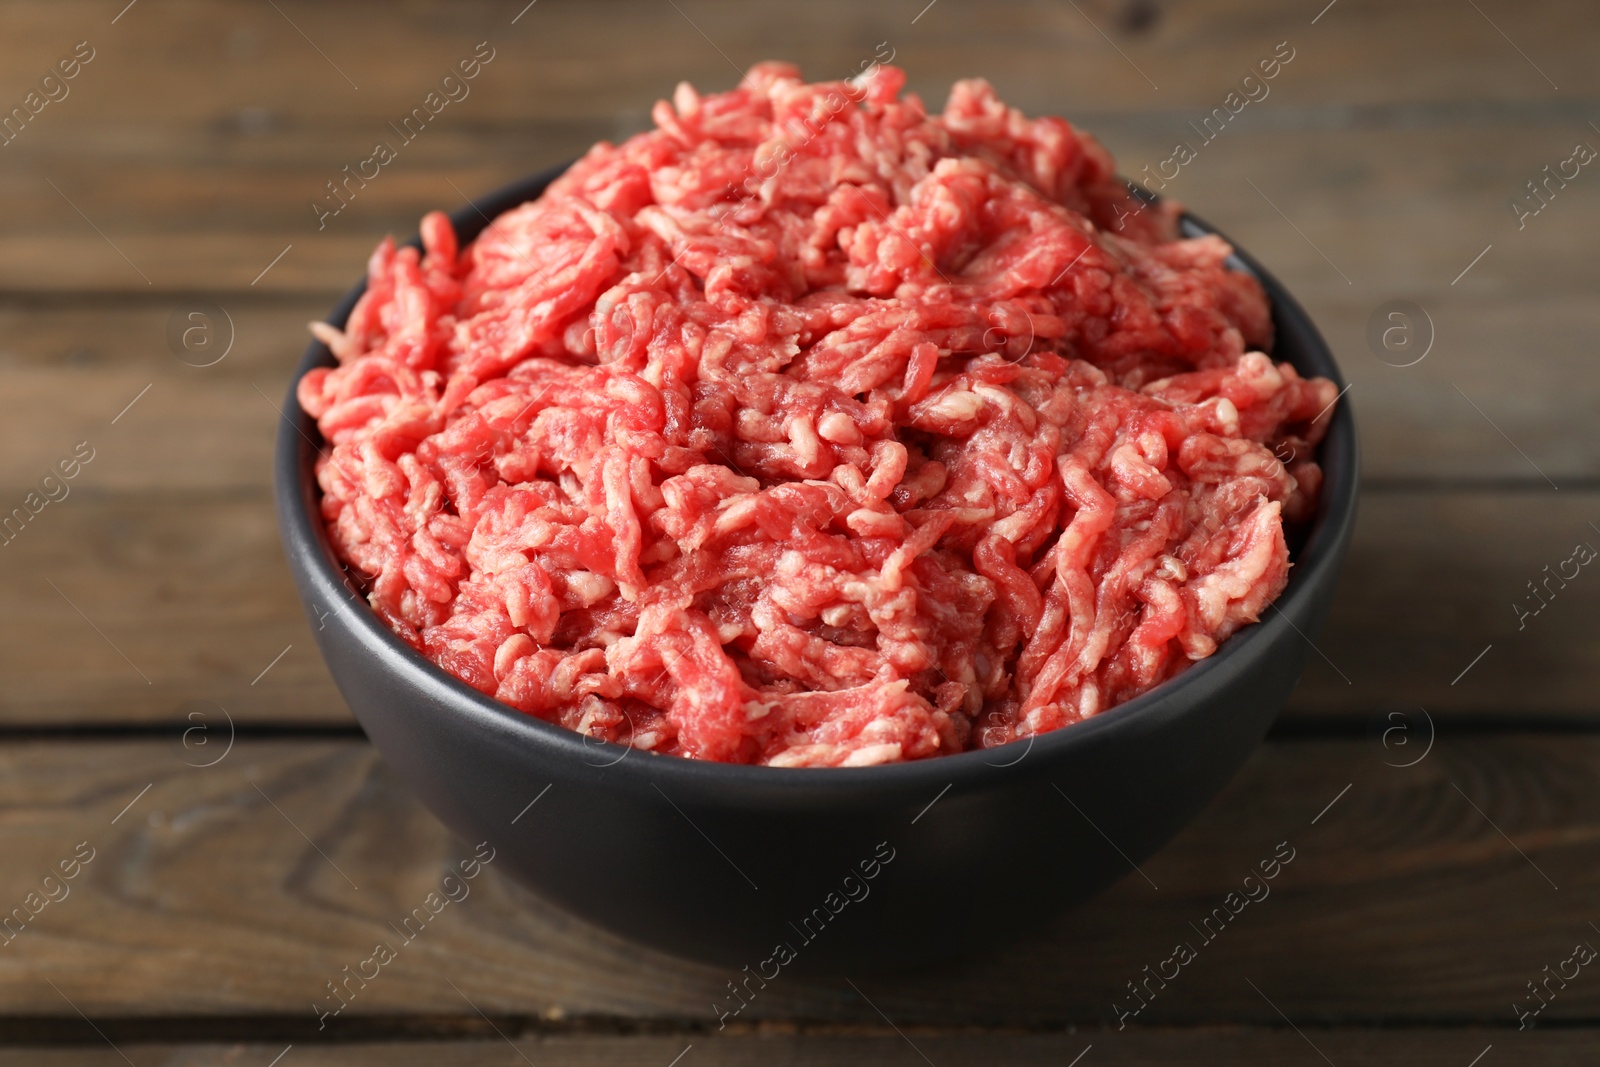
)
(811, 429)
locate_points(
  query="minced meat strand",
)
(813, 429)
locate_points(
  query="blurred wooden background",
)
(176, 175)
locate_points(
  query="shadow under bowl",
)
(849, 868)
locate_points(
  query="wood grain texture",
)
(69, 370)
(232, 890)
(1420, 902)
(1368, 212)
(566, 60)
(198, 153)
(1194, 1048)
(1434, 579)
(193, 591)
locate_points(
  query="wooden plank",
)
(1435, 580)
(1391, 143)
(69, 370)
(1387, 202)
(187, 189)
(1421, 420)
(592, 60)
(158, 601)
(1497, 399)
(1438, 1047)
(192, 590)
(203, 899)
(1392, 208)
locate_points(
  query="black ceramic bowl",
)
(726, 863)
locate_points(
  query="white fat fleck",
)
(869, 523)
(737, 512)
(872, 755)
(334, 338)
(958, 405)
(1228, 415)
(803, 436)
(1013, 526)
(995, 395)
(839, 428)
(856, 591)
(589, 588)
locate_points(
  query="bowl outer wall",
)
(721, 862)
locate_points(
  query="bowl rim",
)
(305, 536)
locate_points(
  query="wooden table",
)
(1443, 861)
